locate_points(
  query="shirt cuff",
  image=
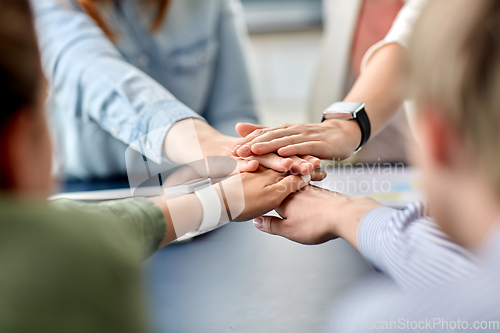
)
(369, 230)
(155, 125)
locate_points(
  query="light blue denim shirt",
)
(104, 96)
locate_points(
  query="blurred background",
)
(300, 67)
(285, 39)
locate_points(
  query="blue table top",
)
(238, 279)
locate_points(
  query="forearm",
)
(381, 85)
(190, 140)
(182, 215)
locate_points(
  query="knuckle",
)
(259, 131)
(289, 140)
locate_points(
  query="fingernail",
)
(306, 179)
(258, 222)
(313, 160)
(306, 167)
(236, 148)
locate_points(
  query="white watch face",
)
(343, 110)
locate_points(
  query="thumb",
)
(269, 224)
(243, 129)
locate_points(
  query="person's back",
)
(65, 271)
(70, 267)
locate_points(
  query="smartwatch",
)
(348, 111)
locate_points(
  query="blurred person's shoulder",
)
(66, 271)
(85, 228)
(377, 303)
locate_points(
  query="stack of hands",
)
(271, 164)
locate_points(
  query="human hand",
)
(301, 165)
(192, 140)
(315, 215)
(331, 139)
(248, 195)
(242, 197)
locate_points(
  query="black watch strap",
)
(364, 123)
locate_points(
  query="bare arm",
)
(381, 87)
(247, 194)
(192, 140)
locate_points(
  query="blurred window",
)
(283, 15)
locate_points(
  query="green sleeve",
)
(143, 220)
(66, 271)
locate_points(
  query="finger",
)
(242, 147)
(288, 185)
(268, 224)
(301, 166)
(274, 162)
(318, 175)
(271, 141)
(243, 129)
(305, 148)
(312, 159)
(247, 165)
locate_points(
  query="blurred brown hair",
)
(20, 67)
(91, 7)
(20, 72)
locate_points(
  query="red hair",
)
(90, 6)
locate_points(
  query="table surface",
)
(238, 279)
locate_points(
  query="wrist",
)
(350, 130)
(191, 139)
(182, 214)
(352, 213)
(224, 216)
(217, 144)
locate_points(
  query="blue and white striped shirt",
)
(435, 286)
(411, 248)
